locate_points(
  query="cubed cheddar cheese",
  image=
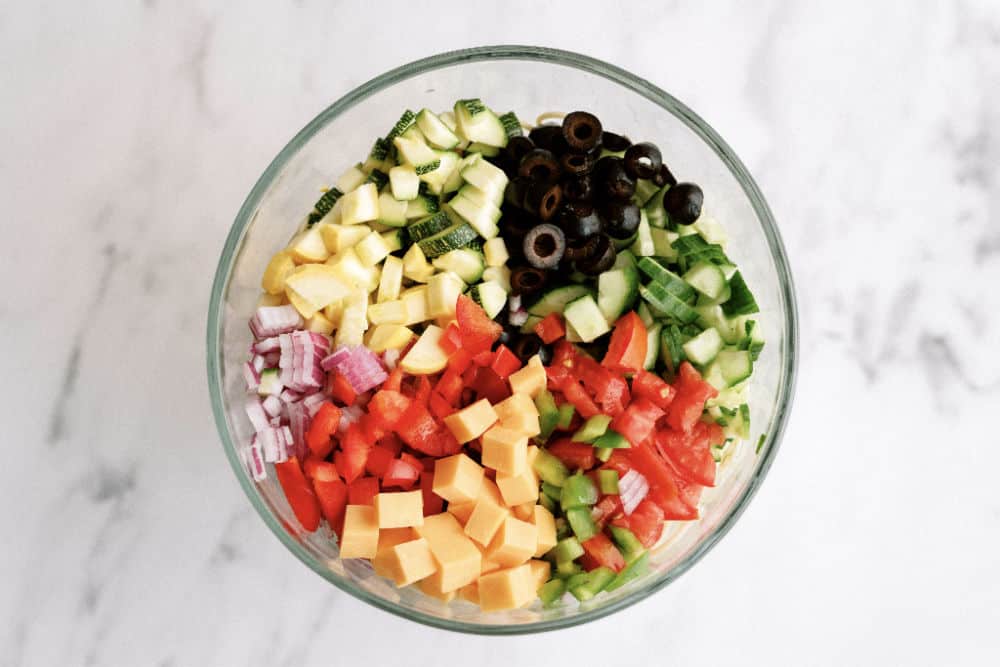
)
(432, 586)
(486, 518)
(514, 543)
(541, 571)
(505, 450)
(471, 422)
(388, 538)
(462, 511)
(459, 561)
(520, 488)
(524, 511)
(545, 524)
(507, 589)
(399, 509)
(470, 593)
(360, 538)
(411, 561)
(487, 564)
(518, 412)
(492, 491)
(458, 479)
(529, 380)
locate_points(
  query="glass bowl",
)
(530, 81)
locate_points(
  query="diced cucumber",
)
(466, 263)
(717, 301)
(490, 295)
(452, 238)
(429, 226)
(662, 238)
(512, 125)
(496, 253)
(617, 290)
(422, 205)
(404, 182)
(643, 244)
(671, 346)
(710, 229)
(704, 347)
(351, 179)
(391, 211)
(707, 278)
(732, 330)
(489, 178)
(483, 218)
(416, 153)
(555, 300)
(622, 244)
(661, 299)
(391, 280)
(529, 324)
(415, 265)
(477, 123)
(645, 314)
(692, 249)
(438, 134)
(586, 318)
(735, 365)
(754, 339)
(670, 281)
(477, 196)
(404, 123)
(652, 346)
(654, 208)
(395, 239)
(360, 205)
(498, 274)
(378, 177)
(741, 301)
(644, 191)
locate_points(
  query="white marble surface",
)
(130, 134)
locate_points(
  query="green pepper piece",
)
(632, 571)
(582, 523)
(587, 586)
(627, 543)
(567, 568)
(578, 491)
(547, 502)
(566, 412)
(578, 580)
(548, 414)
(562, 528)
(612, 440)
(568, 549)
(592, 429)
(551, 490)
(603, 454)
(607, 480)
(551, 592)
(550, 469)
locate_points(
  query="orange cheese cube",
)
(360, 538)
(471, 422)
(461, 511)
(514, 543)
(529, 380)
(459, 561)
(485, 520)
(518, 413)
(457, 478)
(470, 593)
(520, 488)
(505, 450)
(491, 491)
(545, 524)
(388, 538)
(540, 571)
(507, 589)
(488, 565)
(399, 509)
(432, 586)
(525, 512)
(411, 561)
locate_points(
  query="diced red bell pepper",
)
(627, 347)
(574, 455)
(338, 387)
(504, 362)
(323, 426)
(449, 386)
(689, 403)
(638, 422)
(564, 354)
(601, 549)
(354, 449)
(324, 471)
(575, 394)
(490, 386)
(451, 340)
(645, 522)
(557, 376)
(433, 503)
(378, 460)
(551, 328)
(417, 428)
(423, 391)
(402, 473)
(440, 407)
(607, 508)
(299, 493)
(392, 442)
(483, 358)
(395, 380)
(332, 497)
(362, 491)
(653, 387)
(449, 445)
(388, 406)
(475, 327)
(460, 361)
(373, 427)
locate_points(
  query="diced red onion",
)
(268, 441)
(273, 320)
(258, 363)
(298, 423)
(255, 462)
(251, 375)
(349, 415)
(312, 402)
(391, 358)
(633, 488)
(255, 411)
(517, 317)
(267, 345)
(301, 356)
(271, 359)
(272, 406)
(359, 365)
(285, 438)
(514, 302)
(289, 396)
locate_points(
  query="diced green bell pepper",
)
(548, 414)
(596, 581)
(567, 568)
(607, 480)
(612, 440)
(550, 469)
(582, 523)
(592, 429)
(551, 592)
(578, 491)
(562, 528)
(603, 454)
(568, 549)
(547, 502)
(566, 412)
(632, 571)
(627, 543)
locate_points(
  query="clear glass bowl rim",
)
(439, 61)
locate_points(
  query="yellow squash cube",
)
(541, 571)
(507, 589)
(519, 414)
(458, 479)
(461, 511)
(308, 246)
(416, 305)
(545, 524)
(411, 561)
(360, 538)
(305, 307)
(514, 543)
(505, 450)
(399, 509)
(471, 422)
(319, 323)
(522, 487)
(388, 538)
(277, 270)
(388, 337)
(529, 380)
(485, 520)
(459, 561)
(388, 312)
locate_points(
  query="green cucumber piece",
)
(703, 348)
(660, 274)
(754, 339)
(477, 123)
(404, 123)
(652, 346)
(482, 217)
(741, 301)
(586, 318)
(662, 240)
(643, 245)
(323, 205)
(555, 300)
(644, 191)
(707, 278)
(422, 205)
(429, 226)
(735, 365)
(661, 299)
(491, 296)
(511, 125)
(438, 134)
(617, 290)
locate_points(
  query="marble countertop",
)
(132, 134)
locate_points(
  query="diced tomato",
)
(362, 491)
(663, 487)
(402, 473)
(564, 354)
(332, 497)
(423, 392)
(607, 508)
(638, 421)
(451, 340)
(340, 389)
(653, 387)
(574, 455)
(439, 407)
(645, 522)
(484, 358)
(608, 389)
(674, 506)
(588, 562)
(575, 394)
(689, 453)
(689, 403)
(600, 548)
(378, 460)
(433, 503)
(504, 362)
(449, 386)
(627, 347)
(619, 461)
(395, 380)
(323, 426)
(373, 427)
(459, 361)
(299, 493)
(388, 406)
(417, 428)
(557, 376)
(689, 492)
(475, 327)
(551, 328)
(354, 447)
(490, 386)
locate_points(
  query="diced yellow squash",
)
(360, 538)
(273, 281)
(339, 238)
(388, 312)
(443, 290)
(462, 511)
(471, 422)
(426, 356)
(505, 450)
(411, 561)
(522, 487)
(352, 271)
(352, 177)
(545, 524)
(514, 543)
(529, 380)
(319, 323)
(358, 206)
(372, 249)
(524, 512)
(495, 251)
(333, 312)
(540, 571)
(308, 246)
(416, 305)
(388, 337)
(415, 265)
(507, 589)
(391, 280)
(431, 586)
(518, 412)
(485, 520)
(399, 509)
(388, 538)
(353, 320)
(305, 307)
(319, 284)
(458, 559)
(458, 479)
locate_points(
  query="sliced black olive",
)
(581, 130)
(544, 354)
(612, 181)
(683, 203)
(582, 248)
(579, 220)
(577, 163)
(507, 335)
(518, 147)
(578, 188)
(663, 177)
(549, 137)
(543, 199)
(544, 246)
(539, 164)
(602, 259)
(642, 160)
(620, 219)
(527, 346)
(527, 280)
(614, 142)
(516, 188)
